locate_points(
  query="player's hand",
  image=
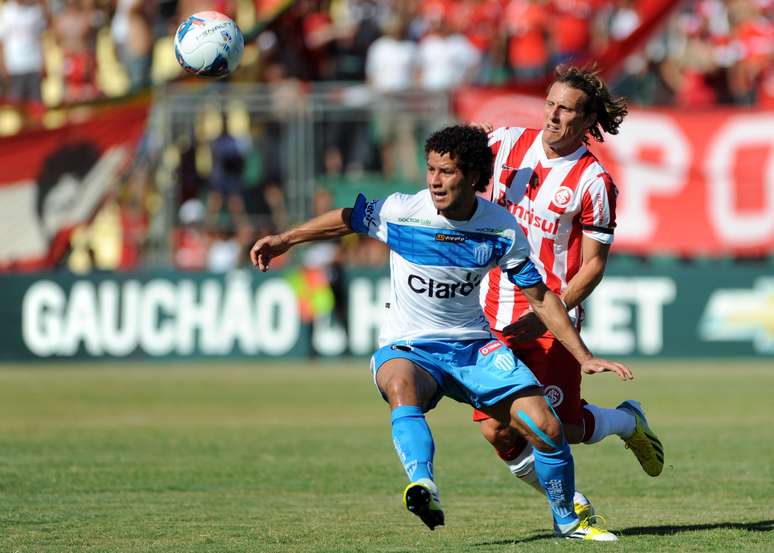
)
(265, 249)
(527, 327)
(486, 127)
(597, 365)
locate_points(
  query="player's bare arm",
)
(333, 224)
(580, 286)
(552, 312)
(594, 254)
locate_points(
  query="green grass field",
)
(290, 458)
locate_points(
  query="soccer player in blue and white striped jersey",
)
(436, 341)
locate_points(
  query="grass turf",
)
(298, 458)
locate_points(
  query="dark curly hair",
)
(609, 110)
(468, 147)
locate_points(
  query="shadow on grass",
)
(666, 530)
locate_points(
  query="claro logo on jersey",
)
(529, 219)
(443, 290)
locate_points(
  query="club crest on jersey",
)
(554, 395)
(563, 196)
(483, 253)
(490, 347)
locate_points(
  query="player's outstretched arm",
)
(333, 224)
(553, 313)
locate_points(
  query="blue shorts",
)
(477, 372)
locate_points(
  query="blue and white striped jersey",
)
(437, 264)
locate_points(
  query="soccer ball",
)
(209, 44)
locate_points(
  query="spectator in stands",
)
(75, 28)
(190, 184)
(226, 183)
(283, 44)
(570, 30)
(528, 49)
(391, 67)
(323, 266)
(624, 20)
(132, 33)
(347, 143)
(286, 94)
(446, 58)
(22, 23)
(189, 241)
(753, 37)
(691, 65)
(225, 251)
(480, 21)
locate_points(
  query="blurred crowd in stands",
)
(54, 52)
(708, 52)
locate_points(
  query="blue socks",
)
(556, 473)
(413, 442)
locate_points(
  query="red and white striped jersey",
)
(556, 202)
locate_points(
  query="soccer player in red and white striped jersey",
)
(564, 201)
(560, 203)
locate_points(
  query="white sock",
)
(610, 421)
(580, 498)
(523, 468)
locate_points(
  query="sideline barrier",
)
(676, 311)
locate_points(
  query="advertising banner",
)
(690, 182)
(52, 180)
(677, 311)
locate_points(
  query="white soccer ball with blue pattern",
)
(209, 44)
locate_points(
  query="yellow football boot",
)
(644, 443)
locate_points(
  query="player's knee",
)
(496, 433)
(397, 390)
(547, 433)
(553, 429)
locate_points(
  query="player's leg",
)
(628, 422)
(560, 374)
(525, 408)
(506, 390)
(517, 455)
(410, 391)
(531, 416)
(515, 452)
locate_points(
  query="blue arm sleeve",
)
(358, 215)
(525, 275)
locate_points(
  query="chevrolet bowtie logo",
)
(741, 314)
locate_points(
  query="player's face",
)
(564, 120)
(452, 192)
